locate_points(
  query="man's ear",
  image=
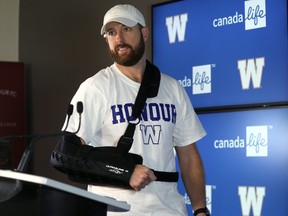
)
(145, 33)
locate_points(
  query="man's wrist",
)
(204, 210)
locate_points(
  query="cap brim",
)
(124, 21)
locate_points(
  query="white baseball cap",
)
(126, 14)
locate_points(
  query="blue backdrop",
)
(205, 45)
(246, 149)
(233, 54)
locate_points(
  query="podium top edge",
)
(63, 187)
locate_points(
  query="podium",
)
(40, 194)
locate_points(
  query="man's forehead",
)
(113, 24)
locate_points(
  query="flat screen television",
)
(245, 160)
(224, 53)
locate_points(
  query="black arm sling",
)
(109, 165)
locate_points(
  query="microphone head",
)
(70, 109)
(79, 107)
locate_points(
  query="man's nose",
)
(119, 36)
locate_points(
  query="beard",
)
(132, 57)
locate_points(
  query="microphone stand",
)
(22, 166)
(9, 188)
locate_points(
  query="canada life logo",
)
(257, 141)
(254, 16)
(201, 79)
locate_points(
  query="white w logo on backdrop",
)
(251, 197)
(251, 69)
(176, 26)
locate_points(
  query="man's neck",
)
(134, 72)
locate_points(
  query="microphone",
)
(28, 151)
(69, 113)
(10, 188)
(80, 111)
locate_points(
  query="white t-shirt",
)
(167, 120)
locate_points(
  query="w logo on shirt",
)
(151, 134)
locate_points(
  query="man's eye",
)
(111, 33)
(126, 29)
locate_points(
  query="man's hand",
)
(141, 177)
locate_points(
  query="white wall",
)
(9, 30)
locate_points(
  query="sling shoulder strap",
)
(148, 89)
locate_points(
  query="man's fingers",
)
(141, 177)
(152, 176)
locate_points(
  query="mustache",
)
(122, 46)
